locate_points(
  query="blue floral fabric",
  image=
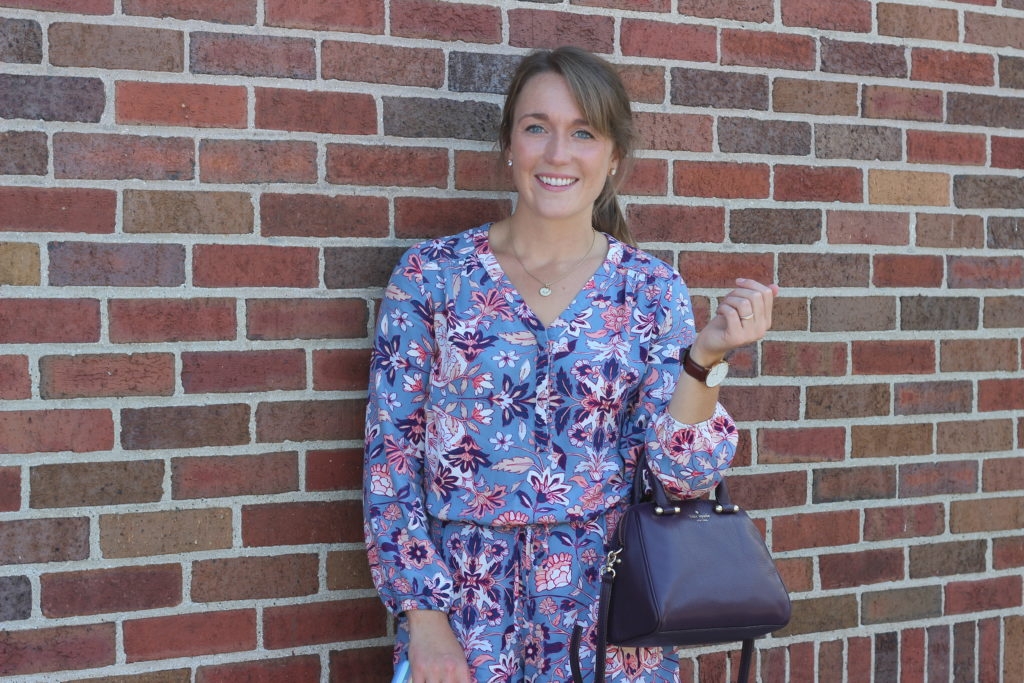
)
(479, 414)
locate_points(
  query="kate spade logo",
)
(699, 516)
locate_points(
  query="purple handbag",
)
(695, 572)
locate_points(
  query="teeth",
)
(558, 182)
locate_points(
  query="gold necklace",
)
(545, 287)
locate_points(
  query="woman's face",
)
(559, 162)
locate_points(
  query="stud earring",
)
(614, 170)
(510, 162)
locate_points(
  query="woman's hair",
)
(602, 98)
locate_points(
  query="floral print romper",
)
(499, 451)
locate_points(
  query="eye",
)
(534, 128)
(584, 134)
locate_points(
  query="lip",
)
(556, 182)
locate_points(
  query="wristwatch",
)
(711, 377)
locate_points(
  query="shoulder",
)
(643, 267)
(451, 248)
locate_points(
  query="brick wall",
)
(200, 203)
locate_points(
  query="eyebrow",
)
(545, 117)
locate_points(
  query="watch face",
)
(716, 374)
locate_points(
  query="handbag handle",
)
(644, 473)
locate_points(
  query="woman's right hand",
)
(435, 655)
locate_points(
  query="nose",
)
(557, 150)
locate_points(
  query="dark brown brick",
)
(894, 357)
(911, 104)
(1003, 474)
(1004, 311)
(824, 270)
(387, 165)
(889, 441)
(207, 372)
(185, 426)
(814, 615)
(1011, 72)
(308, 215)
(96, 483)
(225, 12)
(308, 420)
(979, 355)
(51, 98)
(348, 570)
(294, 669)
(989, 191)
(868, 227)
(997, 30)
(901, 605)
(116, 47)
(756, 136)
(101, 591)
(864, 313)
(196, 213)
(257, 161)
(775, 226)
(824, 98)
(836, 402)
(234, 475)
(922, 398)
(35, 541)
(904, 521)
(116, 265)
(334, 470)
(297, 318)
(21, 41)
(845, 484)
(189, 635)
(911, 21)
(974, 436)
(480, 72)
(644, 83)
(863, 59)
(425, 217)
(675, 223)
(252, 55)
(167, 532)
(23, 152)
(719, 89)
(940, 478)
(939, 313)
(415, 117)
(119, 157)
(276, 524)
(975, 109)
(1005, 232)
(861, 568)
(249, 578)
(171, 320)
(802, 445)
(318, 112)
(340, 369)
(682, 132)
(838, 141)
(950, 231)
(383, 63)
(15, 598)
(544, 29)
(15, 383)
(947, 559)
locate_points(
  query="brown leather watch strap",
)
(693, 368)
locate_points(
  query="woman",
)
(518, 371)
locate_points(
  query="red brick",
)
(448, 21)
(933, 479)
(708, 269)
(33, 209)
(234, 475)
(358, 16)
(168, 532)
(189, 635)
(323, 622)
(646, 177)
(884, 441)
(1007, 553)
(843, 484)
(301, 523)
(481, 171)
(84, 484)
(306, 318)
(15, 382)
(994, 272)
(309, 215)
(912, 104)
(55, 430)
(821, 444)
(804, 359)
(224, 12)
(257, 161)
(910, 21)
(1007, 152)
(675, 223)
(815, 530)
(309, 420)
(950, 231)
(676, 132)
(894, 357)
(644, 83)
(979, 355)
(1003, 474)
(966, 597)
(384, 165)
(119, 157)
(10, 491)
(318, 112)
(662, 40)
(761, 11)
(823, 270)
(997, 30)
(223, 265)
(426, 217)
(172, 320)
(35, 541)
(184, 426)
(334, 470)
(841, 15)
(862, 568)
(912, 655)
(185, 212)
(383, 63)
(544, 29)
(340, 369)
(81, 7)
(101, 591)
(59, 648)
(768, 49)
(116, 47)
(254, 578)
(818, 184)
(905, 521)
(181, 104)
(205, 372)
(920, 398)
(846, 400)
(907, 270)
(947, 66)
(635, 5)
(1000, 394)
(936, 147)
(294, 669)
(97, 264)
(723, 180)
(252, 55)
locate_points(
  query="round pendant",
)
(544, 291)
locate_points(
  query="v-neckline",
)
(515, 296)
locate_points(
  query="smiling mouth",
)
(556, 182)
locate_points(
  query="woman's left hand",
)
(743, 317)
